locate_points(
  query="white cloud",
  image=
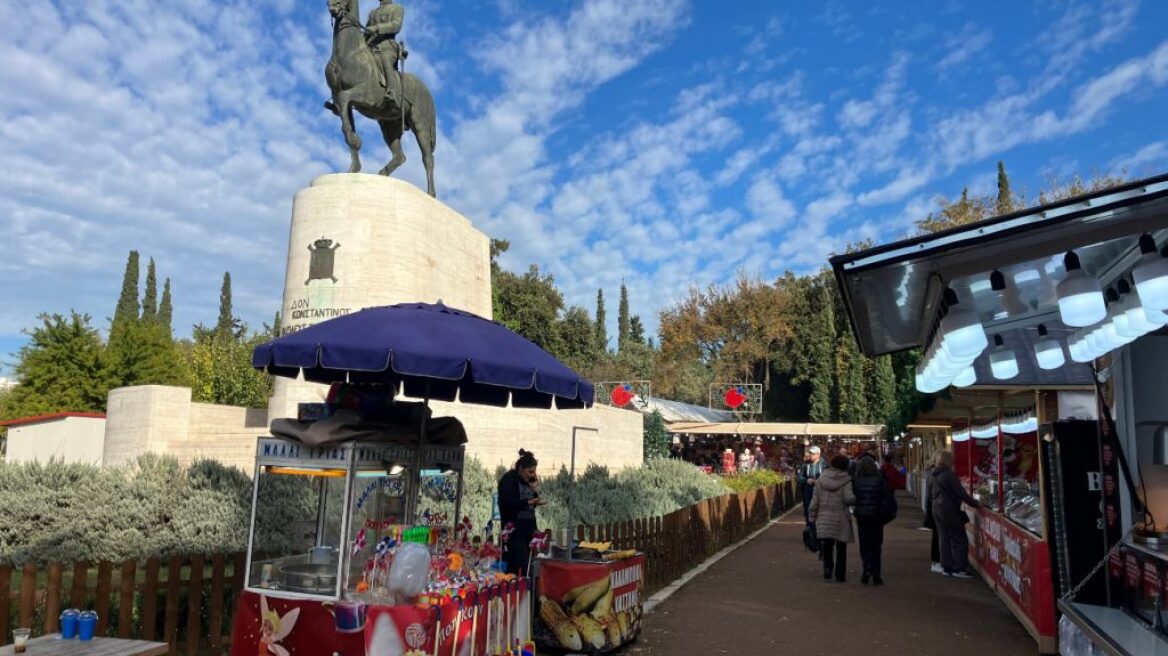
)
(905, 183)
(1150, 158)
(963, 45)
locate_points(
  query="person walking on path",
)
(871, 489)
(892, 475)
(947, 494)
(829, 513)
(518, 499)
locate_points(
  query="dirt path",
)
(769, 597)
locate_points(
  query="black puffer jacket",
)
(869, 491)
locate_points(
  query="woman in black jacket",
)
(947, 494)
(518, 499)
(870, 489)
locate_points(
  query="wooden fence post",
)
(80, 586)
(216, 616)
(194, 605)
(28, 580)
(173, 578)
(150, 600)
(5, 602)
(105, 572)
(126, 599)
(52, 598)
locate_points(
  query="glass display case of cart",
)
(1020, 467)
(325, 518)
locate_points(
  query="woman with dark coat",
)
(518, 499)
(871, 489)
(946, 495)
(829, 513)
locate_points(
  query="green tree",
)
(166, 308)
(62, 368)
(144, 353)
(150, 298)
(853, 402)
(622, 319)
(127, 309)
(881, 389)
(656, 440)
(636, 330)
(578, 339)
(601, 319)
(498, 247)
(1005, 200)
(951, 214)
(821, 352)
(227, 322)
(530, 305)
(219, 365)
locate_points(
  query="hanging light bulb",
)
(966, 378)
(1137, 318)
(1080, 350)
(1048, 351)
(1110, 328)
(1080, 298)
(1003, 364)
(1117, 313)
(1151, 275)
(962, 334)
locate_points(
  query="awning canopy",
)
(893, 292)
(862, 431)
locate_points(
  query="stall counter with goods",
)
(590, 605)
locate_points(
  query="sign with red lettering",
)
(1017, 563)
(589, 606)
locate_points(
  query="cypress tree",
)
(150, 298)
(601, 318)
(276, 325)
(656, 437)
(1005, 202)
(165, 308)
(822, 352)
(636, 330)
(127, 309)
(226, 323)
(881, 390)
(622, 320)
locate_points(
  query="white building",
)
(64, 436)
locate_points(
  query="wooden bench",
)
(53, 645)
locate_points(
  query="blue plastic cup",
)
(86, 625)
(69, 623)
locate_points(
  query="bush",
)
(753, 480)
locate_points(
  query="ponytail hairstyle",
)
(526, 460)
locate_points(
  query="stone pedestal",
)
(360, 240)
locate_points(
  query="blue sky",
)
(663, 142)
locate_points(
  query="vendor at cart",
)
(518, 499)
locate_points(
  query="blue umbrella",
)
(437, 352)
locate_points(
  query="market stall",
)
(590, 599)
(1041, 300)
(383, 564)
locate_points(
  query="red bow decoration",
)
(621, 395)
(539, 541)
(505, 534)
(734, 397)
(463, 530)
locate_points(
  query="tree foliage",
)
(601, 323)
(530, 305)
(656, 438)
(127, 308)
(622, 319)
(150, 298)
(62, 368)
(220, 368)
(166, 309)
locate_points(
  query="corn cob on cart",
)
(589, 603)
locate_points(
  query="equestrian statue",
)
(364, 74)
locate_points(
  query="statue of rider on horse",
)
(364, 74)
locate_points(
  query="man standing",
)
(808, 474)
(385, 22)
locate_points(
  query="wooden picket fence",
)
(184, 601)
(675, 543)
(188, 601)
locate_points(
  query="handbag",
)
(888, 506)
(810, 540)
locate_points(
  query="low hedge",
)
(154, 507)
(753, 480)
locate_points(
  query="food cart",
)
(1034, 301)
(324, 570)
(374, 571)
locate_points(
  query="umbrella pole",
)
(416, 476)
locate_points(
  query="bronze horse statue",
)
(355, 79)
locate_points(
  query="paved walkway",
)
(769, 597)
